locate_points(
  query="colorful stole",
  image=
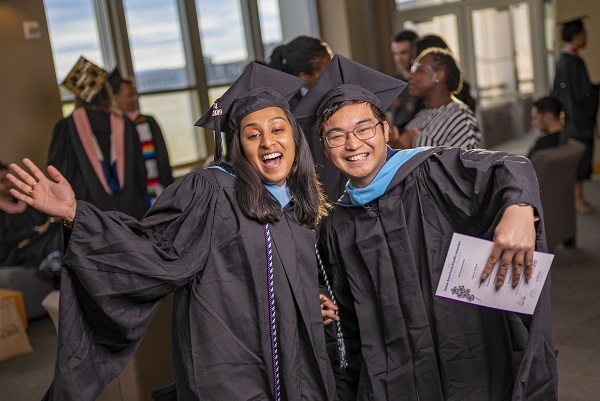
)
(94, 154)
(153, 184)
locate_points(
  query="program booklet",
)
(461, 277)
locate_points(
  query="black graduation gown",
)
(67, 154)
(546, 141)
(404, 108)
(196, 242)
(403, 342)
(578, 96)
(17, 227)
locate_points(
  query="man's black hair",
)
(406, 36)
(548, 104)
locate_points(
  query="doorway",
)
(503, 51)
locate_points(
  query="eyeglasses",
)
(420, 67)
(338, 138)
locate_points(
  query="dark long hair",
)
(310, 204)
(300, 55)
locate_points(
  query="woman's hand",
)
(404, 140)
(328, 310)
(514, 243)
(54, 197)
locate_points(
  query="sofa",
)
(32, 283)
(556, 171)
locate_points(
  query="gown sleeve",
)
(116, 272)
(58, 145)
(472, 189)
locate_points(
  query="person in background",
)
(154, 149)
(306, 57)
(445, 121)
(27, 237)
(385, 243)
(428, 41)
(405, 106)
(234, 242)
(96, 149)
(546, 117)
(579, 98)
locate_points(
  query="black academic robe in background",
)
(17, 227)
(403, 342)
(549, 140)
(196, 242)
(578, 96)
(67, 154)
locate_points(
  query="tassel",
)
(341, 345)
(216, 113)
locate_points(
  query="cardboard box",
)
(5, 293)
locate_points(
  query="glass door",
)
(494, 42)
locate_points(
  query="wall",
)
(359, 29)
(29, 99)
(566, 9)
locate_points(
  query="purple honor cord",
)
(272, 322)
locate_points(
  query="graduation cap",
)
(257, 88)
(574, 21)
(344, 79)
(85, 79)
(114, 80)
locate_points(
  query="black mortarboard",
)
(257, 88)
(577, 21)
(344, 79)
(85, 79)
(114, 80)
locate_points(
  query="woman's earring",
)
(437, 81)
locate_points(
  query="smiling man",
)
(385, 244)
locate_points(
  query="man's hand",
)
(402, 140)
(328, 310)
(514, 243)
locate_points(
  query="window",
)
(406, 4)
(156, 44)
(65, 18)
(445, 26)
(504, 67)
(223, 36)
(270, 25)
(160, 34)
(176, 113)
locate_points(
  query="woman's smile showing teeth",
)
(267, 140)
(272, 159)
(356, 158)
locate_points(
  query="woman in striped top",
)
(446, 121)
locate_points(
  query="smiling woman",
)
(234, 242)
(267, 143)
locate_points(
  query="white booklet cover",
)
(461, 277)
